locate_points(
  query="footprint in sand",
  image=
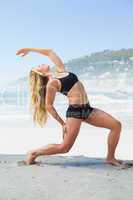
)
(126, 166)
(23, 162)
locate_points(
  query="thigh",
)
(73, 126)
(100, 118)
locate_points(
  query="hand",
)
(23, 52)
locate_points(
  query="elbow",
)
(46, 52)
(50, 51)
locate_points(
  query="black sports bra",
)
(67, 82)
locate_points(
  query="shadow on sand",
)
(77, 161)
(65, 161)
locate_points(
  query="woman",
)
(43, 86)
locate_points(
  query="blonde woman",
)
(43, 87)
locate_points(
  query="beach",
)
(92, 42)
(82, 173)
(64, 177)
(19, 134)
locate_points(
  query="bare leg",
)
(113, 140)
(46, 150)
(73, 127)
(100, 118)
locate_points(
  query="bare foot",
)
(31, 156)
(114, 162)
(24, 162)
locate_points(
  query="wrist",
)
(62, 123)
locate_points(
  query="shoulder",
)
(61, 70)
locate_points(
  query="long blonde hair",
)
(37, 87)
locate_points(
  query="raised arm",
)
(46, 52)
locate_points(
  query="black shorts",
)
(80, 111)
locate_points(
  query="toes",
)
(114, 162)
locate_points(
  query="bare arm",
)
(46, 52)
(50, 96)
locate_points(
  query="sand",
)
(64, 178)
(81, 174)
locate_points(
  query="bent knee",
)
(117, 125)
(64, 148)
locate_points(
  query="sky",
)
(72, 28)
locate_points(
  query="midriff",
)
(77, 95)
